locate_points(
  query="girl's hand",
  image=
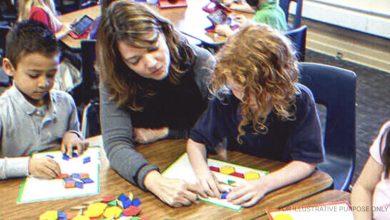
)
(240, 19)
(149, 135)
(247, 194)
(208, 184)
(223, 29)
(71, 140)
(173, 192)
(45, 168)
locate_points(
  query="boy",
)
(266, 11)
(33, 118)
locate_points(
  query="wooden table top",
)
(190, 20)
(163, 153)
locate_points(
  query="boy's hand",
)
(44, 168)
(247, 194)
(72, 140)
(240, 19)
(173, 192)
(209, 185)
(148, 135)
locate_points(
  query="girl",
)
(153, 86)
(372, 189)
(43, 11)
(262, 112)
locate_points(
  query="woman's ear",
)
(8, 67)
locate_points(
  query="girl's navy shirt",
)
(286, 140)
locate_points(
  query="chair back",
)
(335, 89)
(298, 38)
(88, 88)
(285, 5)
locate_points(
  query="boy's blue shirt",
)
(21, 136)
(285, 141)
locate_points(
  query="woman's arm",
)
(118, 141)
(363, 190)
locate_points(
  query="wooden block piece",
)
(96, 209)
(79, 185)
(62, 216)
(84, 175)
(49, 215)
(239, 175)
(136, 202)
(283, 216)
(74, 154)
(108, 198)
(65, 157)
(131, 211)
(251, 175)
(227, 170)
(87, 180)
(75, 176)
(63, 176)
(224, 195)
(112, 212)
(69, 184)
(86, 160)
(215, 169)
(81, 217)
(231, 182)
(131, 196)
(112, 203)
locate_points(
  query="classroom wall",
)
(368, 16)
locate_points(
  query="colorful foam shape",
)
(63, 176)
(49, 215)
(239, 175)
(112, 212)
(251, 175)
(231, 182)
(75, 176)
(283, 216)
(86, 160)
(74, 154)
(112, 203)
(136, 202)
(87, 180)
(131, 196)
(84, 175)
(79, 185)
(62, 216)
(108, 198)
(69, 184)
(224, 195)
(215, 169)
(96, 209)
(131, 211)
(122, 197)
(227, 170)
(65, 157)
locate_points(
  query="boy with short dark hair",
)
(32, 117)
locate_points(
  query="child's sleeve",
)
(306, 140)
(13, 167)
(74, 123)
(208, 129)
(38, 14)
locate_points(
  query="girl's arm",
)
(364, 187)
(250, 193)
(198, 158)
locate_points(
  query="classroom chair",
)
(285, 5)
(335, 88)
(5, 80)
(298, 38)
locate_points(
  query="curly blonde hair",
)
(262, 62)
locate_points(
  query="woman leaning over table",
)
(153, 86)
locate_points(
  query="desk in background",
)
(163, 153)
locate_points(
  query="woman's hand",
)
(247, 194)
(173, 192)
(149, 135)
(71, 140)
(44, 167)
(208, 184)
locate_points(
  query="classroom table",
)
(190, 20)
(163, 153)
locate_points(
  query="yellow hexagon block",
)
(95, 210)
(283, 216)
(251, 175)
(49, 215)
(227, 170)
(112, 212)
(81, 217)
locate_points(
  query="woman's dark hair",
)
(137, 26)
(252, 3)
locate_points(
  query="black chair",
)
(5, 80)
(8, 12)
(285, 5)
(298, 38)
(335, 89)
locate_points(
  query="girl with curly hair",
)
(259, 109)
